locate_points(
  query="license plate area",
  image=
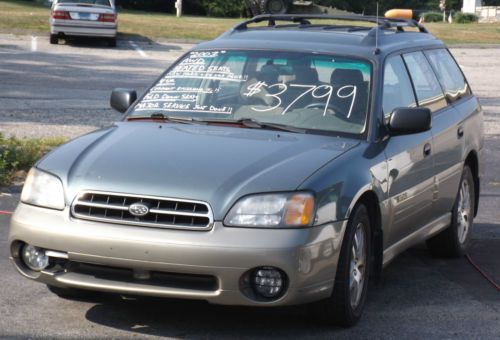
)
(84, 16)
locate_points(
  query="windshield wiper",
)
(246, 122)
(254, 123)
(173, 119)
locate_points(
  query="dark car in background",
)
(279, 164)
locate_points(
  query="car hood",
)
(216, 164)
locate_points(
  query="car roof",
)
(385, 37)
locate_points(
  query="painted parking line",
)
(34, 44)
(138, 49)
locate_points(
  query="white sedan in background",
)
(89, 18)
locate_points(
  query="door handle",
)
(460, 132)
(427, 149)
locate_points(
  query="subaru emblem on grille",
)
(138, 209)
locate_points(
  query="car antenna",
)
(377, 50)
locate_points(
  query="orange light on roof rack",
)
(399, 14)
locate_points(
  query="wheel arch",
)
(472, 161)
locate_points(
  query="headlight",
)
(272, 211)
(43, 189)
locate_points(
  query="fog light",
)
(268, 282)
(34, 257)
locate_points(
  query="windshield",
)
(91, 2)
(307, 91)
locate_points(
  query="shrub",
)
(20, 154)
(433, 16)
(224, 8)
(464, 18)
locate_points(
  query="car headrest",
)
(269, 73)
(306, 75)
(344, 77)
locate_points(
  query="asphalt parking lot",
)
(64, 90)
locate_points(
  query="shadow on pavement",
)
(174, 318)
(123, 43)
(486, 255)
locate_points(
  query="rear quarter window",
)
(449, 74)
(427, 88)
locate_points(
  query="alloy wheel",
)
(463, 211)
(357, 266)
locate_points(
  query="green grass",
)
(21, 154)
(21, 17)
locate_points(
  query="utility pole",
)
(178, 6)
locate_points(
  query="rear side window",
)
(398, 91)
(451, 78)
(427, 87)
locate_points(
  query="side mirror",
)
(410, 120)
(122, 99)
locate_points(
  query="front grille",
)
(162, 212)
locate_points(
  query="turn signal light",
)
(299, 210)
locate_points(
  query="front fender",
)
(340, 184)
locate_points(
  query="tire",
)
(454, 240)
(274, 6)
(54, 39)
(75, 294)
(112, 42)
(344, 307)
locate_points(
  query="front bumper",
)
(83, 28)
(308, 256)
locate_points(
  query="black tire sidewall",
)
(54, 39)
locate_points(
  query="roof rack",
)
(304, 20)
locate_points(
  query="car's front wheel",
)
(453, 241)
(345, 305)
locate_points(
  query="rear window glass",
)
(427, 87)
(449, 74)
(90, 2)
(303, 90)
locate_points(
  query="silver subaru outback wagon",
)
(276, 165)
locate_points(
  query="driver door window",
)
(398, 91)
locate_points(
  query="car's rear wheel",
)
(112, 42)
(454, 241)
(274, 6)
(54, 39)
(345, 305)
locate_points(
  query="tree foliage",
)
(223, 8)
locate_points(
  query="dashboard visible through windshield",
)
(302, 90)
